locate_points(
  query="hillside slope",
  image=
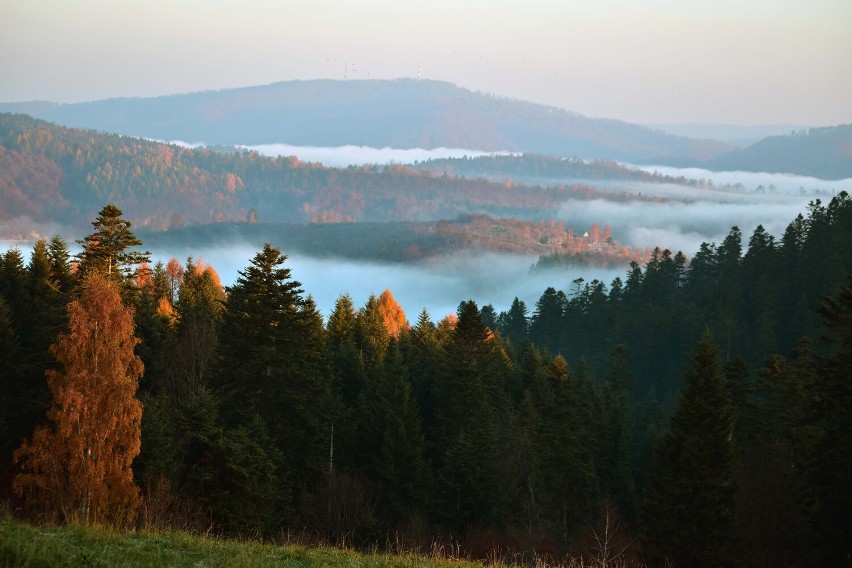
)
(50, 173)
(403, 113)
(26, 545)
(824, 153)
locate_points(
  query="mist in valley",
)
(690, 215)
(685, 217)
(438, 285)
(683, 226)
(350, 155)
(343, 156)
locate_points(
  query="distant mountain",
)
(740, 136)
(403, 113)
(824, 153)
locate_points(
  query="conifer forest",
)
(693, 412)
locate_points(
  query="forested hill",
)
(546, 170)
(516, 432)
(819, 152)
(399, 114)
(53, 173)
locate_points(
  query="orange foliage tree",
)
(392, 314)
(78, 468)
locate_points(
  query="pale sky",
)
(743, 62)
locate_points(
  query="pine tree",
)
(10, 381)
(689, 501)
(13, 284)
(37, 315)
(515, 323)
(775, 512)
(546, 323)
(568, 492)
(371, 334)
(613, 463)
(60, 264)
(106, 249)
(470, 398)
(44, 319)
(199, 308)
(271, 349)
(79, 468)
(834, 449)
(729, 291)
(527, 436)
(347, 377)
(392, 438)
(424, 357)
(261, 334)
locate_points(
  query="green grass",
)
(48, 546)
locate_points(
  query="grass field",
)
(48, 546)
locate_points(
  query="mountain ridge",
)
(401, 113)
(824, 152)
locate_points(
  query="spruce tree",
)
(391, 437)
(546, 323)
(199, 308)
(371, 335)
(777, 464)
(270, 353)
(515, 324)
(613, 463)
(347, 378)
(10, 381)
(689, 500)
(60, 264)
(834, 449)
(106, 250)
(470, 398)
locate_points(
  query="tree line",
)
(679, 417)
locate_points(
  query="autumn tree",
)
(174, 277)
(79, 467)
(392, 314)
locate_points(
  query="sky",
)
(743, 62)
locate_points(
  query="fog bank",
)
(439, 286)
(344, 156)
(682, 226)
(784, 183)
